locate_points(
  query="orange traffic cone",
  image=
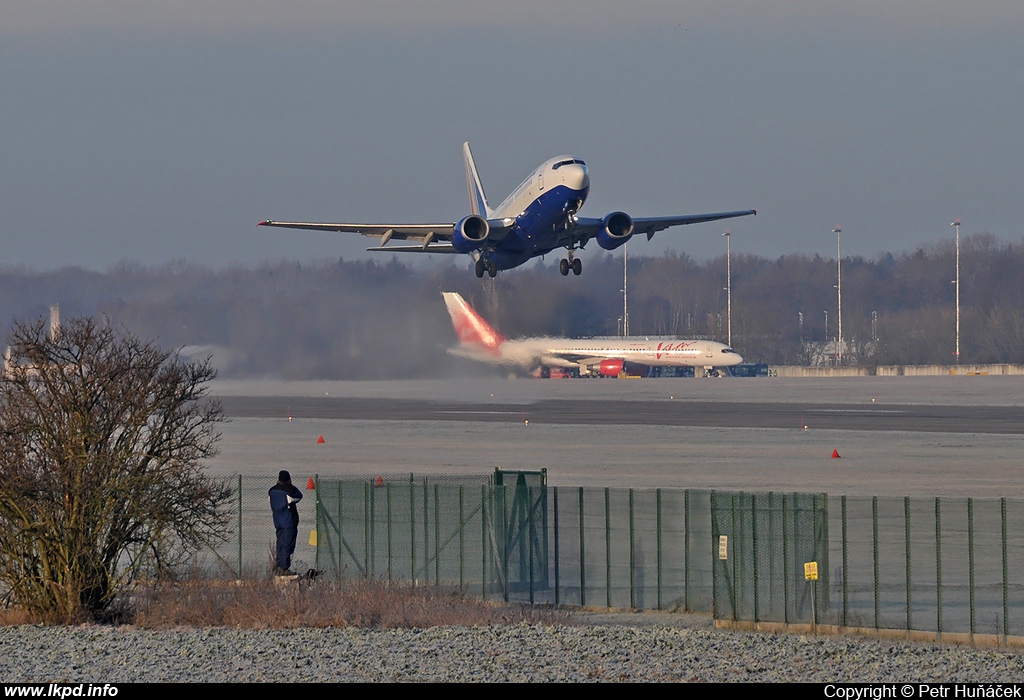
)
(310, 485)
(835, 454)
(320, 440)
(380, 481)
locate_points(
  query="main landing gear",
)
(490, 267)
(570, 263)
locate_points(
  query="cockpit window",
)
(560, 163)
(726, 351)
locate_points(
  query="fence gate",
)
(760, 544)
(519, 532)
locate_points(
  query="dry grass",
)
(264, 604)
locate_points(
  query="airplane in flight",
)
(604, 357)
(539, 216)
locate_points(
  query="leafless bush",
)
(101, 441)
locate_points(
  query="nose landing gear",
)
(489, 266)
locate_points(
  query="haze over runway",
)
(165, 130)
(949, 436)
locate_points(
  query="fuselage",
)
(541, 208)
(562, 352)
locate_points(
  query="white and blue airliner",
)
(539, 216)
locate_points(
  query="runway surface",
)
(583, 411)
(950, 436)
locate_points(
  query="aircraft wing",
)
(424, 234)
(587, 227)
(430, 238)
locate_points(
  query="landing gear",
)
(488, 266)
(570, 263)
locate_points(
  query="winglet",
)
(469, 326)
(477, 198)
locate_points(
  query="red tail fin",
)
(469, 326)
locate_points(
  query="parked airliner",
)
(606, 357)
(539, 216)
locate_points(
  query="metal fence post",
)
(437, 535)
(970, 559)
(632, 556)
(530, 533)
(846, 562)
(483, 541)
(426, 533)
(753, 553)
(583, 559)
(341, 533)
(938, 567)
(412, 532)
(462, 540)
(318, 519)
(657, 495)
(391, 542)
(554, 494)
(607, 547)
(874, 552)
(366, 529)
(686, 552)
(239, 526)
(785, 560)
(1006, 578)
(906, 519)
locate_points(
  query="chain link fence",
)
(941, 565)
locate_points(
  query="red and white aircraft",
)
(606, 357)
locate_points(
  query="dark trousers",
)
(286, 537)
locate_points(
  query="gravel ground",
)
(631, 648)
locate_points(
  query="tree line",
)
(383, 318)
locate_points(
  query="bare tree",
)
(102, 436)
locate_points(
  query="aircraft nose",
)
(576, 177)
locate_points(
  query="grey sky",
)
(159, 130)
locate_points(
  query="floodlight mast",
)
(956, 225)
(839, 287)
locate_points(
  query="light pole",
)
(956, 224)
(839, 286)
(728, 279)
(625, 302)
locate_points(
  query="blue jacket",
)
(285, 513)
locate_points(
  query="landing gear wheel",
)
(563, 267)
(577, 267)
(492, 268)
(479, 268)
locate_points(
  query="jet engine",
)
(618, 368)
(616, 228)
(470, 234)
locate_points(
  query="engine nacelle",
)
(621, 368)
(616, 228)
(470, 234)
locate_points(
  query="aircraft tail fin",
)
(477, 198)
(470, 327)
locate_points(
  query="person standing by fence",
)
(283, 497)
